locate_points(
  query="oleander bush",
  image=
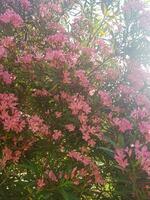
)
(74, 100)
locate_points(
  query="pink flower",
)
(13, 122)
(70, 127)
(75, 155)
(77, 104)
(83, 118)
(64, 95)
(44, 10)
(91, 143)
(58, 114)
(7, 101)
(26, 58)
(55, 57)
(120, 158)
(57, 39)
(25, 4)
(57, 135)
(145, 129)
(126, 90)
(10, 16)
(143, 156)
(79, 157)
(3, 52)
(56, 7)
(82, 78)
(6, 76)
(40, 183)
(7, 155)
(105, 98)
(142, 100)
(16, 156)
(97, 174)
(139, 113)
(52, 176)
(66, 77)
(123, 124)
(7, 41)
(36, 124)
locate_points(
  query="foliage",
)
(74, 100)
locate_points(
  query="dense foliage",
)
(74, 100)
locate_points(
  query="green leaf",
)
(107, 151)
(68, 195)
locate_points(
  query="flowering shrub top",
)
(74, 100)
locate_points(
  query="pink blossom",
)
(106, 50)
(91, 143)
(26, 58)
(40, 183)
(16, 156)
(64, 95)
(105, 98)
(75, 155)
(8, 101)
(143, 156)
(123, 124)
(139, 113)
(3, 52)
(97, 174)
(57, 134)
(9, 114)
(55, 57)
(126, 90)
(73, 172)
(10, 16)
(111, 74)
(57, 27)
(25, 4)
(58, 114)
(70, 127)
(6, 76)
(56, 7)
(71, 59)
(82, 78)
(7, 155)
(79, 157)
(7, 41)
(14, 122)
(82, 118)
(57, 39)
(77, 104)
(36, 124)
(44, 10)
(66, 77)
(144, 128)
(52, 176)
(142, 100)
(120, 158)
